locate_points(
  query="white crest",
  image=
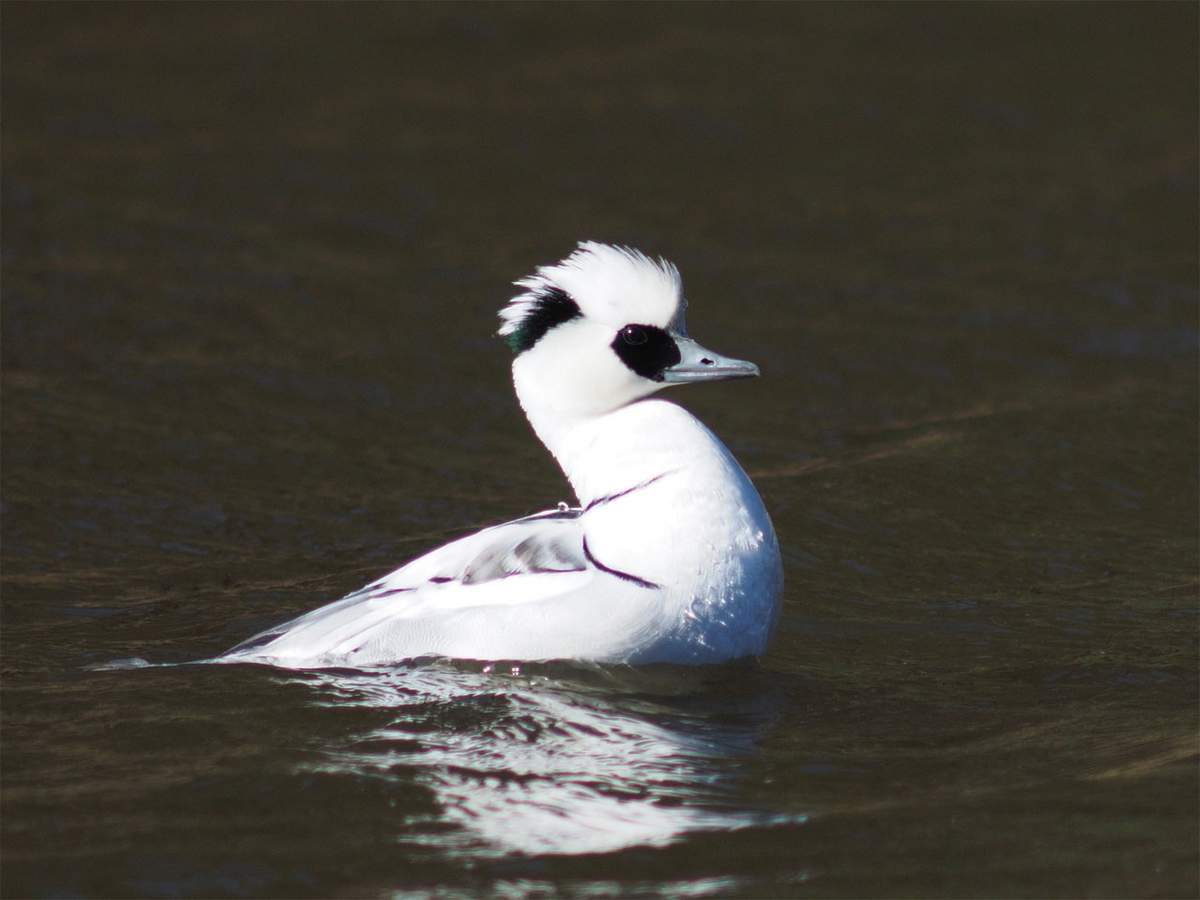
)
(610, 284)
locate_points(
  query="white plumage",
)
(670, 555)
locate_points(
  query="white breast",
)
(684, 516)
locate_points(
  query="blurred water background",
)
(251, 260)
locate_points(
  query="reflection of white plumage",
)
(670, 556)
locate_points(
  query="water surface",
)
(252, 256)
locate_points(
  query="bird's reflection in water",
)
(562, 758)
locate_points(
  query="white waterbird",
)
(669, 556)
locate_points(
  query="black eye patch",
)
(646, 349)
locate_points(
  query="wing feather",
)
(443, 580)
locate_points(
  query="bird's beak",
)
(698, 364)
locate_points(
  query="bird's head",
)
(601, 329)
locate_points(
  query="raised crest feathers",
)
(605, 282)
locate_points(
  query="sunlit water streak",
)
(551, 762)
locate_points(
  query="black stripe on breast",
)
(608, 498)
(625, 576)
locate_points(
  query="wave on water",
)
(559, 758)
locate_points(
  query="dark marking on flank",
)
(440, 579)
(608, 498)
(552, 307)
(646, 349)
(624, 576)
(536, 554)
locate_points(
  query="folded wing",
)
(511, 591)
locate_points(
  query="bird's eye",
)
(646, 349)
(633, 335)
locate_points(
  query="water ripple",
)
(562, 760)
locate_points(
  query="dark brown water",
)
(251, 260)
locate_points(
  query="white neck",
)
(610, 452)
